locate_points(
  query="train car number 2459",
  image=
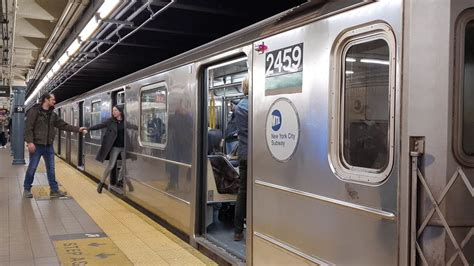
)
(284, 61)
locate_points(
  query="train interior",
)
(224, 91)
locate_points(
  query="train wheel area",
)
(82, 228)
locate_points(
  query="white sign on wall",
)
(282, 129)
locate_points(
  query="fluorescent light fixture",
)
(63, 59)
(56, 67)
(349, 72)
(89, 29)
(375, 61)
(73, 48)
(350, 59)
(107, 7)
(50, 74)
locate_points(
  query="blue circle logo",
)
(276, 122)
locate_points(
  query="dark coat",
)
(108, 139)
(40, 124)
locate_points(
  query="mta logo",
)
(276, 120)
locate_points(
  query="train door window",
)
(95, 119)
(121, 97)
(363, 108)
(464, 89)
(154, 115)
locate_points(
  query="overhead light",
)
(350, 59)
(107, 7)
(56, 67)
(349, 72)
(375, 61)
(89, 29)
(50, 74)
(73, 48)
(63, 59)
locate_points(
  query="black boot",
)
(99, 187)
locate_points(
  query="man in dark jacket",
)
(41, 122)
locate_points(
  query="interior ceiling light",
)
(350, 59)
(107, 7)
(375, 61)
(103, 12)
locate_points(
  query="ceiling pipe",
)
(67, 20)
(152, 16)
(12, 50)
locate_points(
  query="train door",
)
(63, 136)
(223, 83)
(441, 136)
(116, 184)
(58, 135)
(69, 118)
(75, 136)
(80, 155)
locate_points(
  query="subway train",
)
(361, 136)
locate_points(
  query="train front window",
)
(95, 119)
(154, 115)
(468, 92)
(366, 105)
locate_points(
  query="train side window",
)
(95, 119)
(464, 89)
(154, 115)
(362, 130)
(121, 97)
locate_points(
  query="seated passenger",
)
(213, 140)
(155, 129)
(112, 145)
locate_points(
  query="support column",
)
(18, 120)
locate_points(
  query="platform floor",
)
(99, 229)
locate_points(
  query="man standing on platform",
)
(41, 122)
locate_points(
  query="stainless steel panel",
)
(316, 227)
(74, 135)
(158, 169)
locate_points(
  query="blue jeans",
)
(47, 151)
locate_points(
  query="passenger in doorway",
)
(241, 120)
(39, 136)
(231, 137)
(112, 145)
(3, 132)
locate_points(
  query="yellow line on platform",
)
(141, 239)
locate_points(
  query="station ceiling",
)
(44, 29)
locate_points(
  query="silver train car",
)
(361, 135)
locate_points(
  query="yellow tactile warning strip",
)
(92, 251)
(42, 192)
(141, 239)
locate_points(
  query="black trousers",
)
(3, 139)
(241, 206)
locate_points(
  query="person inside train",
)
(241, 121)
(155, 129)
(112, 145)
(230, 136)
(213, 141)
(39, 136)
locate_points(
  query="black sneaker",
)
(27, 194)
(99, 187)
(57, 194)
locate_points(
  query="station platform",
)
(86, 228)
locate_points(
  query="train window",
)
(464, 89)
(363, 105)
(95, 119)
(121, 97)
(153, 115)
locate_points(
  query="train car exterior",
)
(360, 135)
